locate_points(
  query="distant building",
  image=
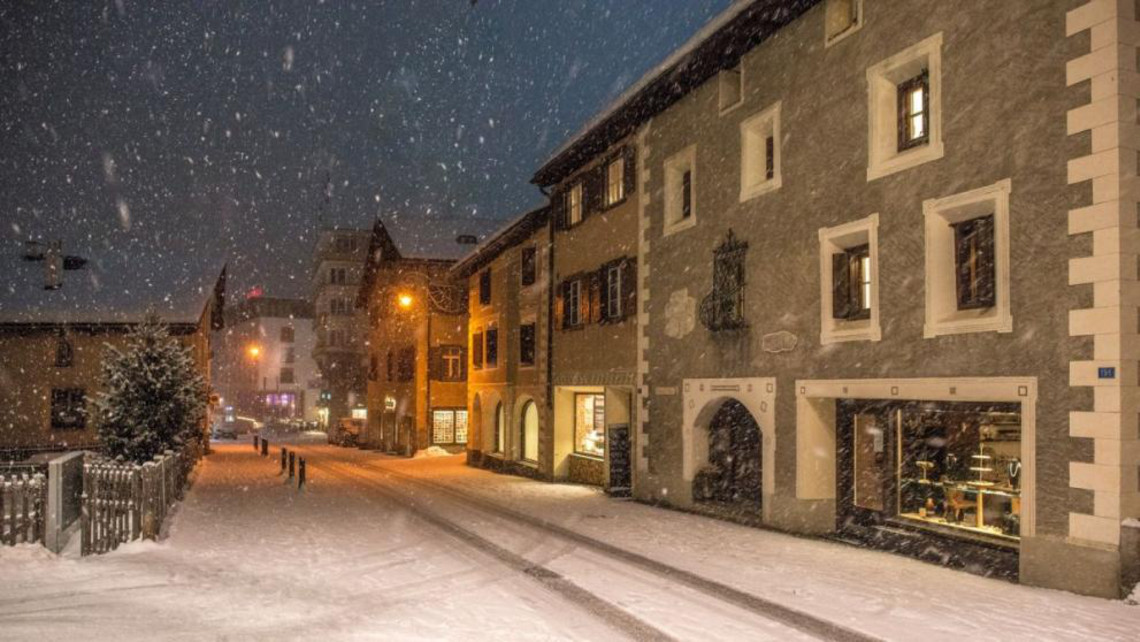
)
(264, 366)
(56, 325)
(340, 327)
(417, 374)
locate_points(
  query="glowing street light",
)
(404, 301)
(254, 351)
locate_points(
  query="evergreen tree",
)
(153, 396)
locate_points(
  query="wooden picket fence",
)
(22, 502)
(125, 501)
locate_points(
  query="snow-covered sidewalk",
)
(878, 593)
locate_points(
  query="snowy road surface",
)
(428, 549)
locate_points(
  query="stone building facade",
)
(864, 311)
(509, 324)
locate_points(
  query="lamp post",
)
(405, 301)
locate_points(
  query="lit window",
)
(590, 424)
(849, 294)
(574, 205)
(914, 111)
(851, 283)
(615, 181)
(449, 427)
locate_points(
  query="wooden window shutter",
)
(561, 319)
(987, 270)
(603, 277)
(594, 299)
(629, 289)
(558, 209)
(840, 286)
(595, 190)
(630, 171)
(435, 363)
(477, 350)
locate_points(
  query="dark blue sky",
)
(182, 131)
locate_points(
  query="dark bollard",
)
(292, 467)
(264, 447)
(301, 473)
(256, 446)
(284, 456)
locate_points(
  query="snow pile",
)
(432, 451)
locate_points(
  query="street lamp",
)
(405, 301)
(254, 351)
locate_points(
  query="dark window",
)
(485, 287)
(338, 276)
(769, 158)
(526, 344)
(286, 375)
(851, 283)
(914, 111)
(290, 355)
(448, 363)
(529, 266)
(68, 409)
(492, 352)
(477, 350)
(572, 303)
(64, 354)
(974, 263)
(723, 308)
(391, 366)
(373, 367)
(287, 334)
(687, 194)
(406, 368)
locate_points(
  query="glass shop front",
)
(940, 480)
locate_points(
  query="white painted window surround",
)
(754, 133)
(942, 313)
(730, 88)
(834, 240)
(675, 168)
(883, 79)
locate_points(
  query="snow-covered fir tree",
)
(153, 396)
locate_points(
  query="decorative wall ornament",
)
(680, 314)
(776, 342)
(723, 307)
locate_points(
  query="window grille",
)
(723, 308)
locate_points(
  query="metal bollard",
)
(292, 467)
(256, 446)
(301, 473)
(264, 447)
(284, 456)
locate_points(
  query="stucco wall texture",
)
(1004, 103)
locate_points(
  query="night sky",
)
(187, 131)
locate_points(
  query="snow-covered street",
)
(431, 549)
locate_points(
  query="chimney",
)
(53, 266)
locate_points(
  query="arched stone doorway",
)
(529, 431)
(733, 471)
(704, 400)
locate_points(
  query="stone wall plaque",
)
(782, 341)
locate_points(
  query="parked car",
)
(223, 430)
(349, 431)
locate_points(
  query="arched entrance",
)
(500, 428)
(529, 432)
(733, 471)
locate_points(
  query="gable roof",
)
(112, 288)
(510, 235)
(718, 45)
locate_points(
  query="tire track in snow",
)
(612, 615)
(799, 620)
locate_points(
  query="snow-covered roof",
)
(113, 287)
(741, 26)
(511, 233)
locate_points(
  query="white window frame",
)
(729, 81)
(575, 295)
(754, 133)
(675, 167)
(452, 357)
(942, 314)
(828, 39)
(615, 189)
(834, 240)
(574, 204)
(614, 278)
(883, 79)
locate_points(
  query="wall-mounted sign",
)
(389, 403)
(1106, 373)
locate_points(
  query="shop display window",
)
(962, 470)
(948, 467)
(590, 424)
